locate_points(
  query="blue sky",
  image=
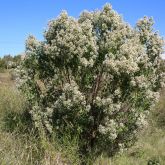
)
(19, 18)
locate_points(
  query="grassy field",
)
(20, 145)
(6, 78)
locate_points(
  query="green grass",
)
(21, 145)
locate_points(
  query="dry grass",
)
(6, 78)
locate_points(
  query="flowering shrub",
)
(95, 77)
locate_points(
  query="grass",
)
(16, 146)
(5, 78)
(149, 148)
(18, 149)
(21, 145)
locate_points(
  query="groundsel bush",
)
(94, 77)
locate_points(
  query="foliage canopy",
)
(95, 77)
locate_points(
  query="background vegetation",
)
(8, 62)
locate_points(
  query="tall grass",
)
(16, 146)
(13, 110)
(20, 144)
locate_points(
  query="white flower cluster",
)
(107, 104)
(31, 43)
(42, 118)
(154, 96)
(70, 98)
(109, 128)
(72, 40)
(141, 121)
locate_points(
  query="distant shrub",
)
(2, 65)
(94, 77)
(9, 62)
(13, 75)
